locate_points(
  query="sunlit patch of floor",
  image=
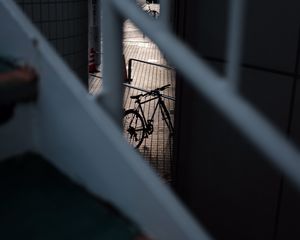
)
(157, 149)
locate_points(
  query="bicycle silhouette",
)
(136, 126)
(153, 13)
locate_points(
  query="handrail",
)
(137, 88)
(142, 61)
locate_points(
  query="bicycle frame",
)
(165, 114)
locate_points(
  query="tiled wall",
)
(65, 25)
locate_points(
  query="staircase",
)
(81, 134)
(81, 137)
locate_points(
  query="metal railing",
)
(221, 91)
(145, 62)
(83, 142)
(222, 94)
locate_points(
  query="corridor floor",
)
(157, 149)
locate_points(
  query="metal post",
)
(112, 61)
(164, 14)
(236, 16)
(129, 69)
(97, 31)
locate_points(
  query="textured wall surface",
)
(227, 183)
(65, 25)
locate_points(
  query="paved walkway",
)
(157, 148)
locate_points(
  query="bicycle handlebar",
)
(152, 92)
(157, 90)
(163, 88)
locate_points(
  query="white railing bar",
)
(164, 12)
(281, 152)
(112, 94)
(234, 42)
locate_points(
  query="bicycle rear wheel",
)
(134, 127)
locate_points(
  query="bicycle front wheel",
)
(134, 127)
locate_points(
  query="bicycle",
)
(136, 126)
(153, 13)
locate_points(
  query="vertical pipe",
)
(91, 24)
(129, 70)
(112, 61)
(165, 12)
(234, 46)
(98, 31)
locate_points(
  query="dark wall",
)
(230, 186)
(65, 25)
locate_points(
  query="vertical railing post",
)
(112, 94)
(129, 70)
(234, 45)
(164, 14)
(98, 31)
